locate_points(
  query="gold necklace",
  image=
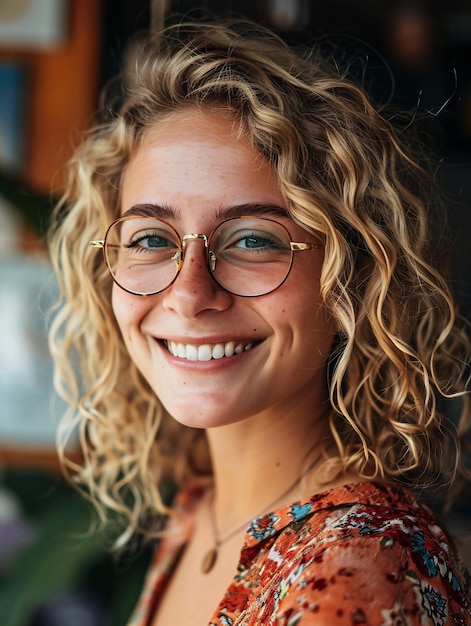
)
(211, 555)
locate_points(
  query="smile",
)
(206, 352)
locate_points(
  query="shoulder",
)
(381, 560)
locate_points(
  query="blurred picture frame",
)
(31, 24)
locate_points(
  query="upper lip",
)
(200, 341)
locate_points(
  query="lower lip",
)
(213, 364)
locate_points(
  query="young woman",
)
(269, 332)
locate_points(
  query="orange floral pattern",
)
(364, 553)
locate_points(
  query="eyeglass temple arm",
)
(304, 246)
(100, 243)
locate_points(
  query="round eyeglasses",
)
(246, 256)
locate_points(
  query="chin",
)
(204, 417)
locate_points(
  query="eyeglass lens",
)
(253, 256)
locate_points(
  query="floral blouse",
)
(364, 553)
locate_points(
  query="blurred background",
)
(55, 57)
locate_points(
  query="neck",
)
(262, 462)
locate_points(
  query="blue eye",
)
(257, 241)
(149, 241)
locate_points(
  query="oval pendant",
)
(209, 560)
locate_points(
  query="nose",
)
(194, 290)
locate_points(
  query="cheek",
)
(128, 311)
(303, 318)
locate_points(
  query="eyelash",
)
(134, 243)
(268, 241)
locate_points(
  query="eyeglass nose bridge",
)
(178, 257)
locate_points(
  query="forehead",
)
(198, 157)
(192, 129)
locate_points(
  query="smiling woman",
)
(269, 331)
(198, 308)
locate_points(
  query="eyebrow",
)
(163, 211)
(222, 213)
(256, 209)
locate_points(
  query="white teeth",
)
(218, 351)
(206, 352)
(192, 353)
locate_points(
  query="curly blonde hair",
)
(344, 173)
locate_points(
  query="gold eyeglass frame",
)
(178, 257)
